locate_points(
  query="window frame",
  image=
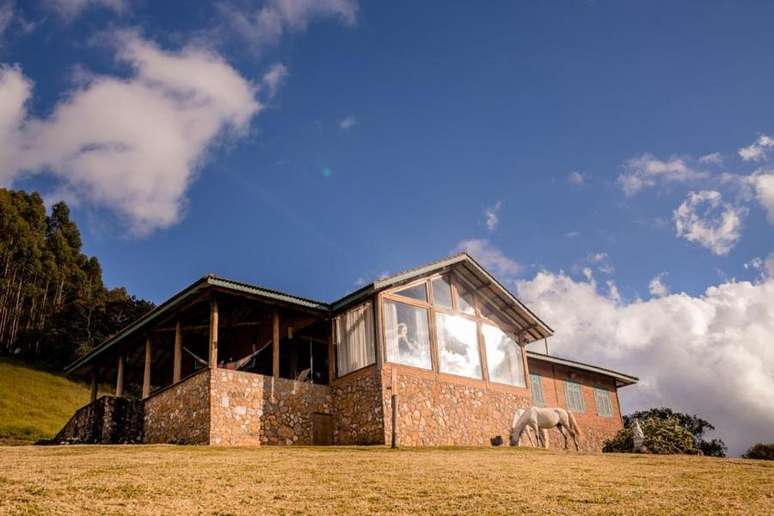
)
(599, 391)
(432, 309)
(335, 337)
(567, 384)
(542, 401)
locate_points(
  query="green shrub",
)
(760, 451)
(662, 436)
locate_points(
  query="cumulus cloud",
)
(348, 122)
(705, 219)
(69, 9)
(763, 183)
(491, 216)
(132, 144)
(490, 257)
(709, 354)
(576, 178)
(264, 26)
(274, 78)
(758, 151)
(647, 171)
(714, 158)
(657, 286)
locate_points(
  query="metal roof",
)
(621, 378)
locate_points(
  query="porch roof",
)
(621, 379)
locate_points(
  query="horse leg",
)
(563, 431)
(544, 436)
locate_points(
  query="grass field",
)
(185, 480)
(35, 404)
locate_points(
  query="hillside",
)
(35, 404)
(138, 479)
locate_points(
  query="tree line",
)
(54, 306)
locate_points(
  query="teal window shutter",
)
(604, 406)
(537, 390)
(574, 396)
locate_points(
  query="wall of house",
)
(595, 429)
(357, 407)
(251, 409)
(180, 413)
(438, 410)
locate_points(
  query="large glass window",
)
(458, 351)
(355, 339)
(604, 407)
(418, 292)
(537, 390)
(574, 396)
(465, 299)
(406, 334)
(503, 357)
(442, 294)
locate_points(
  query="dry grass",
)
(184, 480)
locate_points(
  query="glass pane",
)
(465, 299)
(503, 357)
(442, 295)
(407, 335)
(458, 346)
(418, 292)
(537, 390)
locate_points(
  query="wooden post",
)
(146, 377)
(178, 357)
(93, 396)
(394, 399)
(213, 360)
(332, 353)
(120, 376)
(275, 344)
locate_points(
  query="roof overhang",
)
(621, 379)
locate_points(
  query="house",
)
(435, 355)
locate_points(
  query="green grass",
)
(35, 404)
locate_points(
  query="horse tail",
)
(573, 424)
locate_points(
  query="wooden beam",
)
(332, 353)
(93, 395)
(120, 376)
(146, 377)
(178, 354)
(213, 359)
(275, 344)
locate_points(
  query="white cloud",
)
(717, 227)
(69, 9)
(576, 178)
(764, 267)
(572, 234)
(709, 354)
(6, 16)
(646, 171)
(491, 258)
(264, 26)
(714, 158)
(348, 122)
(274, 78)
(657, 286)
(132, 144)
(600, 260)
(758, 151)
(491, 216)
(763, 183)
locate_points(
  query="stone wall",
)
(436, 410)
(595, 429)
(253, 409)
(358, 408)
(108, 420)
(180, 413)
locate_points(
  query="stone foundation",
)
(108, 420)
(253, 409)
(358, 410)
(180, 414)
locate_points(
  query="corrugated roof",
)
(621, 378)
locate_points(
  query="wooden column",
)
(332, 353)
(213, 360)
(120, 376)
(275, 344)
(146, 377)
(178, 358)
(93, 396)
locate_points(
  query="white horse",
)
(540, 419)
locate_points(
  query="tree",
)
(760, 451)
(693, 424)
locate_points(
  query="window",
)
(406, 334)
(503, 357)
(537, 390)
(355, 339)
(604, 407)
(458, 351)
(574, 396)
(418, 292)
(465, 299)
(442, 294)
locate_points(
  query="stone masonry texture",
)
(358, 408)
(108, 420)
(180, 414)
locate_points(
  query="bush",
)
(662, 436)
(760, 451)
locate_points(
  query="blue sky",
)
(620, 146)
